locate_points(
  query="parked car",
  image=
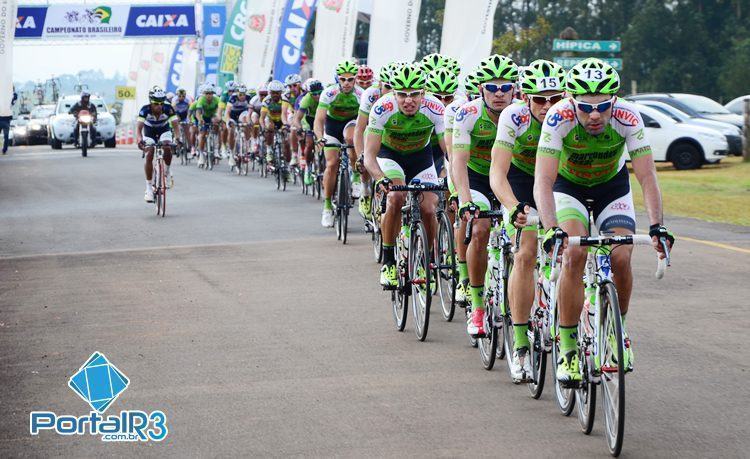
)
(737, 106)
(38, 121)
(686, 146)
(732, 132)
(62, 124)
(698, 107)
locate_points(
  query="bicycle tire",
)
(611, 322)
(163, 190)
(421, 297)
(446, 270)
(586, 393)
(399, 297)
(538, 361)
(564, 397)
(345, 212)
(487, 344)
(474, 342)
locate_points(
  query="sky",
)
(40, 62)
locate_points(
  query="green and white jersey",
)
(406, 134)
(475, 132)
(340, 106)
(309, 106)
(587, 159)
(518, 132)
(369, 97)
(450, 112)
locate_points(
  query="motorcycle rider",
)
(84, 104)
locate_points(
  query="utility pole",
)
(746, 131)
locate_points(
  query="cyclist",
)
(441, 84)
(229, 89)
(270, 118)
(207, 114)
(432, 62)
(334, 124)
(580, 157)
(473, 136)
(288, 101)
(256, 103)
(365, 76)
(397, 150)
(181, 105)
(369, 97)
(512, 179)
(154, 120)
(236, 113)
(304, 118)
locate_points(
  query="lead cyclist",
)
(581, 156)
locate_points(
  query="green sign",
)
(231, 48)
(588, 46)
(569, 62)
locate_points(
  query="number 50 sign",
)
(125, 92)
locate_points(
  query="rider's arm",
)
(547, 164)
(501, 159)
(139, 132)
(320, 120)
(297, 120)
(227, 111)
(284, 109)
(359, 133)
(372, 147)
(645, 172)
(461, 153)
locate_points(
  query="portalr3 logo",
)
(98, 382)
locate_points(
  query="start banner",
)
(77, 21)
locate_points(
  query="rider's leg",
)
(521, 286)
(329, 177)
(294, 144)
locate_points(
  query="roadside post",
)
(746, 132)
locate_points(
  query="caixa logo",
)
(162, 20)
(99, 383)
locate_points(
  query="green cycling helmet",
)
(542, 75)
(497, 67)
(442, 81)
(409, 76)
(592, 76)
(347, 66)
(431, 62)
(471, 84)
(452, 65)
(384, 75)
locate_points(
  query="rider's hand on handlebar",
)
(519, 213)
(551, 237)
(468, 209)
(657, 233)
(384, 184)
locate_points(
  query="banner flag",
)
(393, 32)
(231, 47)
(467, 31)
(214, 19)
(338, 18)
(8, 15)
(261, 34)
(291, 39)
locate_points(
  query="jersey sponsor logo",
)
(521, 119)
(625, 116)
(620, 205)
(561, 115)
(466, 111)
(373, 97)
(382, 108)
(435, 107)
(331, 93)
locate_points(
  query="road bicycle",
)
(342, 198)
(413, 265)
(159, 178)
(280, 166)
(183, 150)
(446, 273)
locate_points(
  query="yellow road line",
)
(716, 244)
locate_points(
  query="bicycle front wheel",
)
(377, 235)
(446, 268)
(400, 297)
(538, 353)
(611, 351)
(420, 280)
(565, 397)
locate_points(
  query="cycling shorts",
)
(205, 124)
(155, 133)
(182, 115)
(481, 193)
(334, 130)
(612, 202)
(437, 157)
(522, 185)
(417, 165)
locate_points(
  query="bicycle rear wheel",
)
(446, 268)
(538, 354)
(611, 351)
(420, 280)
(377, 235)
(489, 342)
(586, 393)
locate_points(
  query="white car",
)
(732, 132)
(62, 124)
(686, 146)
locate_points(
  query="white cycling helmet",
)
(208, 88)
(241, 89)
(230, 86)
(292, 79)
(275, 86)
(157, 95)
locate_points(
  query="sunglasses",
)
(346, 79)
(504, 88)
(408, 94)
(444, 97)
(600, 107)
(387, 86)
(156, 102)
(316, 93)
(541, 100)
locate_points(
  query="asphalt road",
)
(259, 335)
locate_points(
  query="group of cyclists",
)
(535, 141)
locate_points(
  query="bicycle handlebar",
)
(338, 145)
(482, 214)
(531, 220)
(632, 239)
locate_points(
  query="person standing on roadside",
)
(5, 122)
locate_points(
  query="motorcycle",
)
(85, 120)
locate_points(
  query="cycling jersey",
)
(586, 159)
(238, 107)
(450, 113)
(406, 134)
(191, 112)
(518, 132)
(209, 108)
(369, 97)
(272, 108)
(339, 105)
(162, 120)
(289, 99)
(181, 106)
(308, 105)
(474, 131)
(256, 103)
